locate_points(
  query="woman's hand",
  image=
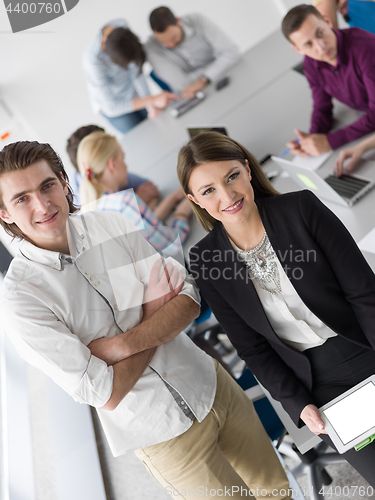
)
(311, 416)
(353, 153)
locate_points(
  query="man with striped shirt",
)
(112, 65)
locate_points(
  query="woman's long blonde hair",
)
(93, 154)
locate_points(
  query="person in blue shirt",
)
(112, 65)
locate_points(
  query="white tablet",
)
(350, 418)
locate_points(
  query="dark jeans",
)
(124, 123)
(337, 366)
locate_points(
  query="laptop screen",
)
(194, 131)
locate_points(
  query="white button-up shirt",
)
(291, 319)
(53, 306)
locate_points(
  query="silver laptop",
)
(194, 130)
(345, 190)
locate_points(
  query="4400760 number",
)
(35, 8)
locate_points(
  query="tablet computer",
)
(349, 419)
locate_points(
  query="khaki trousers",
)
(225, 455)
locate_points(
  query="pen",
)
(287, 150)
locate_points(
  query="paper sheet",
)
(368, 242)
(312, 162)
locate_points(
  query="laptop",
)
(194, 130)
(345, 190)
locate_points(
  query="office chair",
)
(161, 83)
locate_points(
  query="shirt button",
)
(97, 283)
(115, 307)
(92, 278)
(182, 402)
(165, 374)
(87, 273)
(56, 266)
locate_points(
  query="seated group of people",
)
(93, 305)
(186, 54)
(104, 183)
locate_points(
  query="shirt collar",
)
(40, 255)
(187, 29)
(342, 54)
(77, 244)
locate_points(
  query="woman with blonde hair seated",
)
(101, 163)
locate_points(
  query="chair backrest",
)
(271, 422)
(160, 82)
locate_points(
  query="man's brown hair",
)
(76, 138)
(124, 47)
(19, 156)
(161, 18)
(296, 17)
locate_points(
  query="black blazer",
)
(326, 268)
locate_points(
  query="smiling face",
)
(224, 190)
(35, 200)
(171, 37)
(316, 39)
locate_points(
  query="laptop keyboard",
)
(346, 185)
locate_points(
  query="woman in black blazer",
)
(285, 280)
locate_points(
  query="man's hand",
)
(156, 103)
(313, 144)
(165, 283)
(353, 153)
(311, 416)
(148, 192)
(342, 7)
(105, 349)
(309, 144)
(191, 89)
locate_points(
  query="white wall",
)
(41, 76)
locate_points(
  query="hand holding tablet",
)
(350, 418)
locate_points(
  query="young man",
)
(338, 63)
(112, 65)
(188, 52)
(88, 302)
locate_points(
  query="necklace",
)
(262, 264)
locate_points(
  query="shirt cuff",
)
(96, 384)
(191, 290)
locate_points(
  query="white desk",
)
(359, 219)
(152, 141)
